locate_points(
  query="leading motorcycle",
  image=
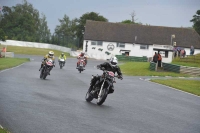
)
(48, 65)
(100, 93)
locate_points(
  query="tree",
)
(65, 32)
(44, 34)
(127, 22)
(22, 22)
(2, 35)
(133, 16)
(82, 21)
(196, 21)
(130, 22)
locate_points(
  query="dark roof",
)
(118, 32)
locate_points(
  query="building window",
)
(93, 43)
(121, 45)
(99, 43)
(144, 46)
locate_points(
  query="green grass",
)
(3, 131)
(142, 69)
(191, 86)
(188, 61)
(11, 62)
(32, 51)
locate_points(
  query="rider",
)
(81, 56)
(50, 55)
(109, 66)
(62, 56)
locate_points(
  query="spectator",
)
(159, 60)
(192, 50)
(183, 53)
(4, 49)
(155, 57)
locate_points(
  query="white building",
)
(136, 40)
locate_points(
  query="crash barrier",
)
(36, 45)
(7, 54)
(132, 58)
(194, 71)
(153, 66)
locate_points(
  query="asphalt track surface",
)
(29, 104)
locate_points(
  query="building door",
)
(127, 53)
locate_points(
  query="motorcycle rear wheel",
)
(41, 74)
(88, 97)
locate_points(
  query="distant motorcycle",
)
(61, 63)
(100, 93)
(81, 65)
(46, 68)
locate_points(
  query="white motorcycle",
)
(61, 63)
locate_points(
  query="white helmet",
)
(113, 61)
(51, 54)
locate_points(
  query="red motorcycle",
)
(46, 68)
(81, 65)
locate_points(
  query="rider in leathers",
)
(109, 66)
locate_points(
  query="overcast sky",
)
(171, 13)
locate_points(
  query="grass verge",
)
(142, 69)
(3, 130)
(191, 86)
(11, 62)
(33, 51)
(191, 61)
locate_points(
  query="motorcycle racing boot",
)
(111, 90)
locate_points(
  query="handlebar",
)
(103, 69)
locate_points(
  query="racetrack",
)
(29, 104)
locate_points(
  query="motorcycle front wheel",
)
(101, 99)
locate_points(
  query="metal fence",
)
(194, 71)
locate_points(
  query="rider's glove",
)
(98, 66)
(120, 77)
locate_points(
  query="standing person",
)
(155, 57)
(191, 50)
(159, 60)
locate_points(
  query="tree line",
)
(24, 23)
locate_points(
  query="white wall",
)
(36, 45)
(135, 50)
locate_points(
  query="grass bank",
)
(32, 51)
(191, 61)
(3, 130)
(142, 69)
(11, 62)
(191, 86)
